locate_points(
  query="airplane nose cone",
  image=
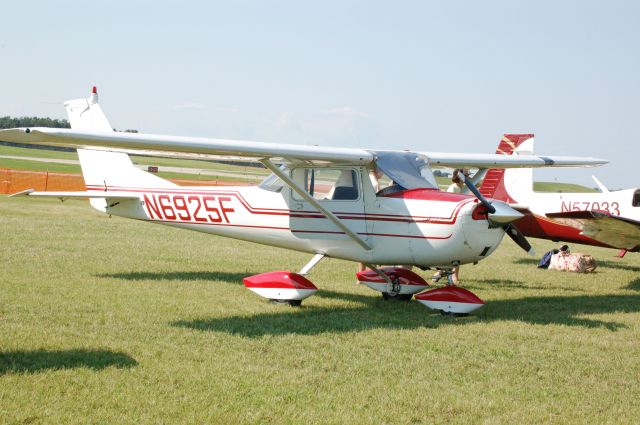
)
(504, 214)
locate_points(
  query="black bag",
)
(546, 259)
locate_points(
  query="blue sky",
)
(430, 76)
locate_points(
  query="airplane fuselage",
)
(618, 203)
(430, 228)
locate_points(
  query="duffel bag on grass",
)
(578, 263)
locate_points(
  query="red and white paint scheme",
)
(451, 299)
(606, 218)
(319, 200)
(280, 286)
(408, 282)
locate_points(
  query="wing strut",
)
(311, 264)
(285, 178)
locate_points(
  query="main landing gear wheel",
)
(292, 303)
(400, 297)
(452, 314)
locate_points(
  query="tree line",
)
(14, 122)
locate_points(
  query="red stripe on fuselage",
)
(430, 195)
(446, 197)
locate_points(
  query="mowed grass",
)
(561, 187)
(107, 320)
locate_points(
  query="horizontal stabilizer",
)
(77, 195)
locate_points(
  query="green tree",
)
(13, 122)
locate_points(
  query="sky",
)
(422, 75)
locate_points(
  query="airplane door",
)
(339, 190)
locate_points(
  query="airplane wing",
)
(477, 160)
(273, 151)
(604, 227)
(138, 141)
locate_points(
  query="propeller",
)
(499, 213)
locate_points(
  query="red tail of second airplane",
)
(493, 184)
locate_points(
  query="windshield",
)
(272, 182)
(407, 169)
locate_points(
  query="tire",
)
(399, 297)
(448, 313)
(292, 303)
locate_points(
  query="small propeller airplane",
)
(606, 218)
(319, 200)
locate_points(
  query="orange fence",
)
(13, 181)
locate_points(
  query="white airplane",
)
(319, 200)
(606, 218)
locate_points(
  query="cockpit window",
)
(273, 183)
(408, 170)
(330, 183)
(636, 198)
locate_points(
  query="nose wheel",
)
(395, 283)
(292, 303)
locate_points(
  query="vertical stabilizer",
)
(102, 169)
(512, 185)
(86, 114)
(114, 170)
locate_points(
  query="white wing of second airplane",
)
(275, 151)
(604, 227)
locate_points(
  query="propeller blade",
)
(517, 236)
(503, 214)
(467, 181)
(499, 214)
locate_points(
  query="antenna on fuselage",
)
(602, 187)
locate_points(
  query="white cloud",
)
(231, 110)
(283, 120)
(188, 107)
(347, 111)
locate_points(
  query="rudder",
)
(102, 169)
(507, 184)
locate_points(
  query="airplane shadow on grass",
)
(226, 277)
(39, 360)
(471, 284)
(634, 285)
(395, 315)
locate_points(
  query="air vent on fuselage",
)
(485, 250)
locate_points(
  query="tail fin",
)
(114, 170)
(86, 114)
(512, 185)
(102, 169)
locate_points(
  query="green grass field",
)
(105, 320)
(561, 187)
